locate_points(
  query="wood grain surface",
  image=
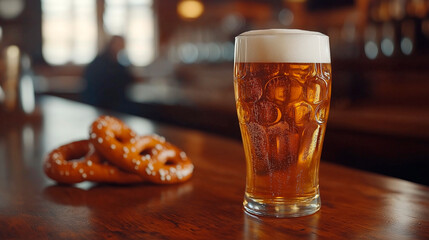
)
(355, 204)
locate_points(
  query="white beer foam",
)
(282, 45)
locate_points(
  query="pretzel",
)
(168, 165)
(78, 161)
(151, 157)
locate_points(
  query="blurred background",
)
(176, 64)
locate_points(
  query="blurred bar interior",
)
(180, 53)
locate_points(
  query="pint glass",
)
(282, 84)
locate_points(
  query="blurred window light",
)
(387, 47)
(190, 9)
(228, 51)
(115, 15)
(203, 51)
(406, 46)
(214, 52)
(188, 53)
(371, 50)
(286, 17)
(69, 29)
(232, 23)
(27, 94)
(134, 20)
(85, 25)
(10, 9)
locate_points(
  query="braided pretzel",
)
(78, 161)
(148, 156)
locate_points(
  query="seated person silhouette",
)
(106, 79)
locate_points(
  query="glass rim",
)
(279, 32)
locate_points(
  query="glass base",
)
(282, 208)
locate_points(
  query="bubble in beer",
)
(301, 112)
(315, 90)
(249, 90)
(259, 143)
(266, 113)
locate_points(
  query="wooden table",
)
(355, 204)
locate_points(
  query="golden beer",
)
(282, 109)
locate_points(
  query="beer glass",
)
(282, 82)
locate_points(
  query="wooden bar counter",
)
(355, 204)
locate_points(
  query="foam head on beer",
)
(282, 45)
